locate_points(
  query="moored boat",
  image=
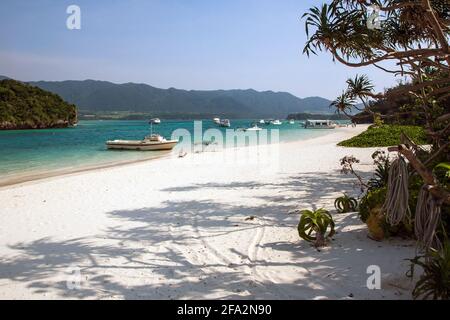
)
(225, 123)
(319, 124)
(254, 128)
(155, 121)
(216, 120)
(153, 142)
(276, 122)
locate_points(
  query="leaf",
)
(445, 166)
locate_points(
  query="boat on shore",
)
(154, 142)
(155, 121)
(319, 124)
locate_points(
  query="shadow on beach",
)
(178, 250)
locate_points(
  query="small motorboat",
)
(262, 121)
(292, 121)
(253, 128)
(153, 142)
(155, 121)
(319, 124)
(225, 123)
(216, 120)
(276, 122)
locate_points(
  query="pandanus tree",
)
(412, 42)
(361, 88)
(358, 88)
(343, 104)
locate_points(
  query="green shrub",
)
(345, 204)
(371, 200)
(384, 136)
(435, 280)
(375, 198)
(377, 121)
(313, 226)
(383, 164)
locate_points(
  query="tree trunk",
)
(320, 240)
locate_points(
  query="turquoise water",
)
(35, 151)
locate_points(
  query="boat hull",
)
(141, 146)
(320, 127)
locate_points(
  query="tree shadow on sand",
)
(147, 254)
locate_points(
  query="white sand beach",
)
(177, 229)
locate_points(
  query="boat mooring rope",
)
(397, 196)
(427, 217)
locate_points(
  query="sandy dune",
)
(178, 229)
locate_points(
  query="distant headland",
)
(23, 106)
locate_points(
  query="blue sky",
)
(186, 44)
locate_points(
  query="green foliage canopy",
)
(23, 106)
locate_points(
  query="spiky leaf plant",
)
(313, 226)
(345, 204)
(434, 283)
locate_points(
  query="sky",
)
(185, 44)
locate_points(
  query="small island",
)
(23, 106)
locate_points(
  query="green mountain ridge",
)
(100, 96)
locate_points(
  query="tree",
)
(23, 106)
(343, 103)
(414, 38)
(361, 88)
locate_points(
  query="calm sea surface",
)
(25, 152)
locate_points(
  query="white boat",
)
(225, 123)
(292, 121)
(276, 122)
(153, 142)
(155, 121)
(319, 124)
(216, 120)
(262, 121)
(253, 128)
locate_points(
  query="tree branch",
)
(437, 153)
(443, 118)
(436, 26)
(418, 86)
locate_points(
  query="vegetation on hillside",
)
(385, 136)
(102, 96)
(306, 116)
(23, 106)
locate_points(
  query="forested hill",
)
(23, 106)
(96, 96)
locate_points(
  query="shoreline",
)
(39, 176)
(17, 180)
(196, 228)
